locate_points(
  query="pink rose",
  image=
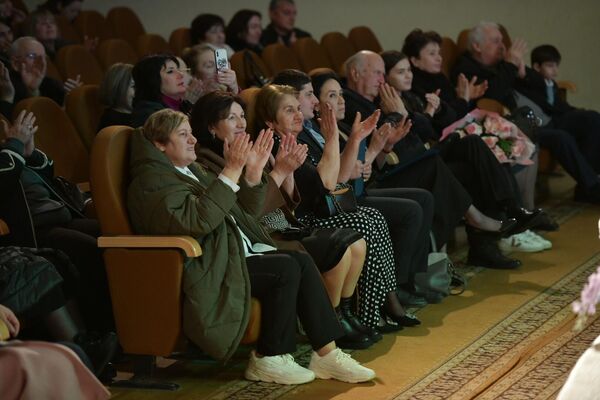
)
(500, 156)
(473, 128)
(518, 148)
(490, 141)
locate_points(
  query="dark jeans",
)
(409, 214)
(287, 283)
(584, 126)
(77, 239)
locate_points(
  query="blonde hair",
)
(159, 125)
(114, 86)
(268, 100)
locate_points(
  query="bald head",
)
(365, 72)
(28, 51)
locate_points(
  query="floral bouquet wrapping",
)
(590, 296)
(504, 138)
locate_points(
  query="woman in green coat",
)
(170, 194)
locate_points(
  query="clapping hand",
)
(71, 83)
(378, 141)
(258, 156)
(399, 131)
(23, 129)
(32, 75)
(194, 90)
(361, 130)
(328, 124)
(391, 100)
(290, 156)
(433, 102)
(11, 321)
(7, 90)
(516, 51)
(236, 155)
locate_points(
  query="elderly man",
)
(488, 59)
(281, 29)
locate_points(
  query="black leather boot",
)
(484, 252)
(346, 310)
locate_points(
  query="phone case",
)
(221, 62)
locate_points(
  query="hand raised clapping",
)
(391, 100)
(328, 124)
(362, 129)
(23, 129)
(290, 156)
(433, 102)
(258, 156)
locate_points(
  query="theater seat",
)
(338, 48)
(363, 38)
(125, 24)
(83, 107)
(180, 39)
(57, 138)
(151, 43)
(67, 30)
(242, 63)
(76, 60)
(144, 272)
(310, 54)
(449, 53)
(113, 51)
(92, 24)
(249, 97)
(278, 57)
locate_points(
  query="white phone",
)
(221, 62)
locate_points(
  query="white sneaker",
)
(279, 369)
(339, 365)
(520, 242)
(540, 239)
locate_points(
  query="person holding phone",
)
(212, 68)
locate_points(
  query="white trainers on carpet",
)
(281, 369)
(528, 241)
(339, 365)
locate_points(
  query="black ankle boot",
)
(346, 310)
(352, 339)
(484, 252)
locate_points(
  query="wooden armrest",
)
(4, 228)
(4, 333)
(567, 85)
(188, 244)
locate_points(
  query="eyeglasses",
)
(32, 56)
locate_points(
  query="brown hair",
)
(114, 86)
(268, 100)
(158, 126)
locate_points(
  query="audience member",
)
(6, 39)
(338, 253)
(170, 194)
(282, 27)
(244, 31)
(11, 15)
(70, 9)
(158, 84)
(116, 94)
(408, 211)
(488, 59)
(210, 29)
(278, 108)
(201, 61)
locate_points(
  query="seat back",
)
(249, 97)
(243, 71)
(112, 51)
(76, 60)
(109, 179)
(449, 53)
(338, 48)
(52, 71)
(462, 41)
(180, 39)
(491, 105)
(67, 30)
(57, 138)
(506, 40)
(363, 38)
(83, 106)
(278, 57)
(150, 43)
(92, 24)
(310, 54)
(125, 24)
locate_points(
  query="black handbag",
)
(337, 202)
(525, 119)
(70, 193)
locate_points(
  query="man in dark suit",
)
(281, 29)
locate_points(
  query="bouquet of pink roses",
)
(504, 138)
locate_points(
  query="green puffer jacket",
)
(216, 286)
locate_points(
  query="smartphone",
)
(221, 62)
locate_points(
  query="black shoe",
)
(487, 254)
(352, 339)
(506, 226)
(546, 223)
(433, 297)
(346, 310)
(525, 220)
(385, 326)
(99, 348)
(410, 299)
(407, 320)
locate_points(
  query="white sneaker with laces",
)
(538, 238)
(339, 365)
(281, 369)
(520, 242)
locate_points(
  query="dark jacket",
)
(112, 117)
(269, 36)
(534, 87)
(13, 203)
(216, 285)
(501, 78)
(424, 82)
(143, 109)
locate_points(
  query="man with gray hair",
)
(282, 29)
(488, 59)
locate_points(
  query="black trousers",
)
(584, 127)
(287, 283)
(478, 170)
(409, 214)
(77, 239)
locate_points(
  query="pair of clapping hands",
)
(22, 129)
